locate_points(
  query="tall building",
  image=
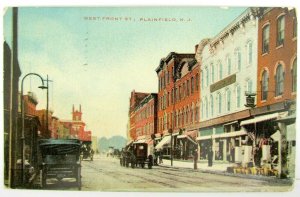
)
(178, 103)
(228, 69)
(135, 99)
(277, 88)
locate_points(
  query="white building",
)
(228, 68)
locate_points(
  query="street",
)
(106, 174)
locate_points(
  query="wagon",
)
(136, 155)
(86, 151)
(60, 159)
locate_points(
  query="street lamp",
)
(23, 121)
(250, 102)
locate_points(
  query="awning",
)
(187, 137)
(164, 141)
(260, 119)
(223, 135)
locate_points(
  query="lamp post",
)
(250, 102)
(23, 122)
(47, 107)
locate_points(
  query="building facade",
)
(277, 89)
(178, 103)
(228, 69)
(134, 101)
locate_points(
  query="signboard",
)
(223, 83)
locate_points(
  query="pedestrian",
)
(210, 156)
(195, 159)
(160, 157)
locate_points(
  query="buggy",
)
(86, 151)
(60, 159)
(136, 155)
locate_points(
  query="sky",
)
(97, 63)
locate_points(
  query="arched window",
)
(228, 61)
(220, 71)
(219, 103)
(238, 59)
(202, 80)
(264, 85)
(249, 85)
(279, 78)
(192, 85)
(197, 82)
(294, 76)
(280, 30)
(212, 73)
(206, 107)
(249, 53)
(207, 76)
(192, 115)
(211, 105)
(188, 87)
(265, 39)
(228, 100)
(238, 96)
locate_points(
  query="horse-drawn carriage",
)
(86, 150)
(60, 159)
(136, 154)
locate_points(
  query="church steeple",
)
(76, 114)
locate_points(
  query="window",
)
(180, 93)
(238, 96)
(211, 106)
(265, 39)
(192, 115)
(249, 52)
(197, 82)
(238, 59)
(206, 107)
(280, 30)
(202, 80)
(295, 27)
(249, 85)
(220, 102)
(220, 71)
(228, 65)
(201, 109)
(279, 78)
(188, 87)
(212, 73)
(294, 76)
(264, 86)
(207, 76)
(192, 85)
(228, 100)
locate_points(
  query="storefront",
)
(186, 145)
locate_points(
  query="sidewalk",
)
(219, 168)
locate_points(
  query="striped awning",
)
(260, 119)
(166, 140)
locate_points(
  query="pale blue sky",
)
(120, 55)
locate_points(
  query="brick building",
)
(135, 99)
(178, 102)
(277, 89)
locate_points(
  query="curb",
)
(224, 173)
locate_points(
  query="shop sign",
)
(223, 83)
